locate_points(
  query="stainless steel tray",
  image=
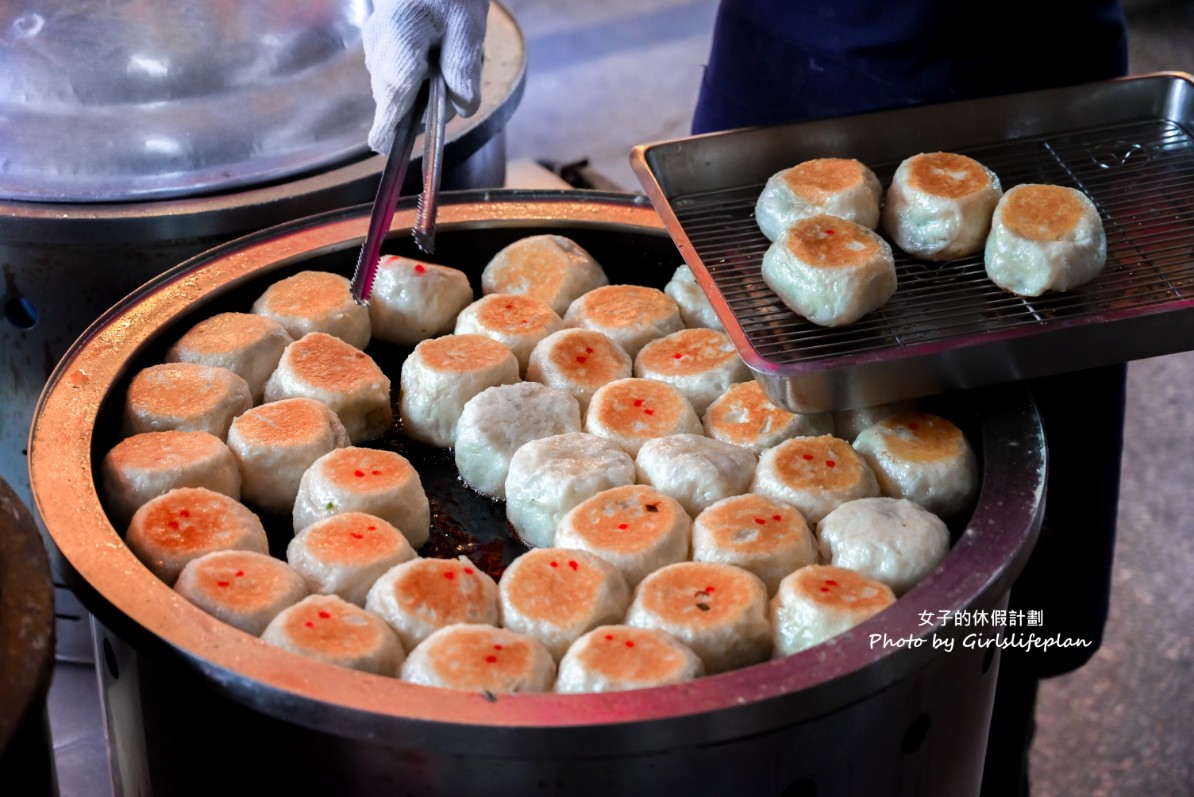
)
(1127, 143)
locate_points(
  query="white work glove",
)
(397, 37)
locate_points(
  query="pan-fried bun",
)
(829, 270)
(1044, 238)
(482, 658)
(549, 476)
(695, 308)
(247, 344)
(924, 458)
(344, 554)
(891, 540)
(631, 411)
(420, 596)
(316, 301)
(188, 522)
(818, 602)
(695, 470)
(501, 419)
(348, 381)
(375, 481)
(847, 424)
(744, 416)
(700, 363)
(557, 594)
(939, 205)
(840, 187)
(636, 528)
(441, 375)
(551, 268)
(814, 474)
(517, 321)
(615, 658)
(578, 361)
(330, 629)
(189, 397)
(630, 314)
(755, 533)
(245, 589)
(720, 611)
(413, 300)
(150, 464)
(275, 443)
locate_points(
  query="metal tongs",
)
(432, 100)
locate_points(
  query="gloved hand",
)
(397, 37)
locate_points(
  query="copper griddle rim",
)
(127, 598)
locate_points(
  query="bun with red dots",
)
(413, 300)
(481, 658)
(818, 602)
(330, 629)
(371, 480)
(614, 658)
(557, 594)
(814, 474)
(421, 596)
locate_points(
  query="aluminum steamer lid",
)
(103, 101)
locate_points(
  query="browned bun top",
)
(1042, 212)
(286, 422)
(921, 437)
(830, 242)
(165, 450)
(243, 581)
(333, 627)
(306, 294)
(514, 313)
(752, 523)
(227, 332)
(946, 174)
(629, 654)
(700, 594)
(818, 463)
(353, 538)
(554, 585)
(839, 588)
(190, 520)
(473, 656)
(816, 180)
(615, 306)
(182, 389)
(326, 361)
(587, 357)
(465, 353)
(366, 470)
(627, 520)
(689, 351)
(533, 265)
(745, 413)
(638, 407)
(448, 590)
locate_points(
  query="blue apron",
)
(773, 62)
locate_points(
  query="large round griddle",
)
(175, 676)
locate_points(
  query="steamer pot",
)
(128, 152)
(193, 705)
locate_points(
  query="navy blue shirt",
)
(778, 61)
